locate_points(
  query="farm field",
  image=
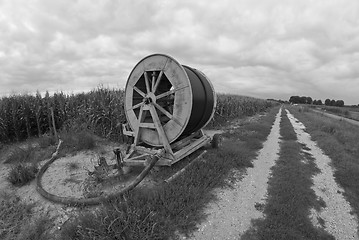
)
(122, 120)
(26, 215)
(347, 112)
(337, 117)
(283, 173)
(100, 111)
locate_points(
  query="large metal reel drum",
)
(183, 98)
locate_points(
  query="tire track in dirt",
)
(336, 214)
(231, 215)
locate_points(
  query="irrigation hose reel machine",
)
(166, 106)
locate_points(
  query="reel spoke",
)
(165, 94)
(137, 105)
(164, 111)
(153, 80)
(139, 91)
(154, 89)
(147, 83)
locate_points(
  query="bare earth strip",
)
(336, 215)
(231, 215)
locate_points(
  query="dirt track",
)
(231, 216)
(336, 215)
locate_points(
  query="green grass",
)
(347, 112)
(12, 213)
(36, 229)
(16, 220)
(290, 196)
(340, 141)
(32, 151)
(21, 174)
(46, 141)
(178, 206)
(77, 141)
(21, 154)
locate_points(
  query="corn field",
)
(99, 111)
(235, 106)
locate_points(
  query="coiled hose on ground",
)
(71, 201)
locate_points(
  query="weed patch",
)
(77, 141)
(329, 128)
(20, 155)
(16, 220)
(21, 174)
(46, 141)
(28, 153)
(36, 229)
(85, 141)
(12, 213)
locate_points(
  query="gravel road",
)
(231, 216)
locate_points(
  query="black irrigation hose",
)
(71, 201)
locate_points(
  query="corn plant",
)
(235, 106)
(100, 111)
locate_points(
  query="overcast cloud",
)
(263, 48)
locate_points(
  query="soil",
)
(67, 176)
(70, 176)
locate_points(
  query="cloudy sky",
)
(260, 48)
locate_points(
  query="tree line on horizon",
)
(309, 100)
